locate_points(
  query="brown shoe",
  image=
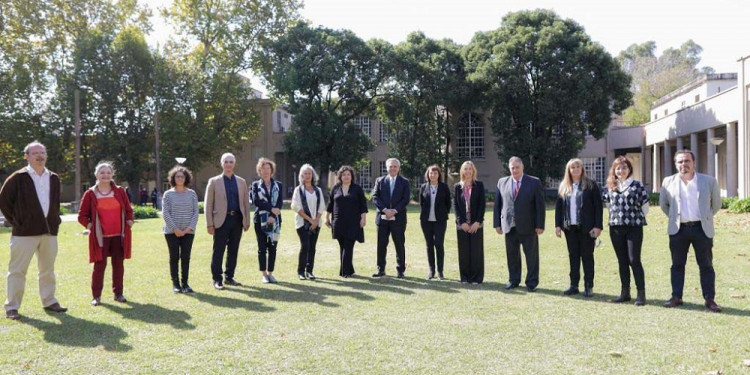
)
(55, 307)
(711, 305)
(12, 315)
(673, 302)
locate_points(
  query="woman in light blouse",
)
(180, 212)
(627, 200)
(435, 202)
(106, 213)
(578, 213)
(309, 205)
(469, 204)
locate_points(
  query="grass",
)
(383, 326)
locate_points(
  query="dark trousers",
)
(679, 244)
(530, 243)
(227, 237)
(307, 241)
(396, 230)
(471, 255)
(580, 250)
(266, 250)
(179, 252)
(112, 249)
(434, 236)
(627, 242)
(346, 251)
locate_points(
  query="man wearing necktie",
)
(519, 214)
(391, 196)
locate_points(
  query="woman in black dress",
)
(348, 206)
(469, 203)
(435, 200)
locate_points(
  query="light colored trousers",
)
(22, 249)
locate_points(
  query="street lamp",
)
(716, 141)
(77, 111)
(180, 160)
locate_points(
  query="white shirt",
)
(689, 210)
(574, 204)
(312, 200)
(41, 184)
(433, 193)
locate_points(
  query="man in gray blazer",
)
(227, 208)
(690, 200)
(519, 214)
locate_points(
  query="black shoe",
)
(510, 286)
(641, 299)
(231, 282)
(571, 291)
(588, 292)
(311, 276)
(531, 289)
(176, 288)
(673, 302)
(624, 296)
(400, 275)
(301, 276)
(378, 274)
(440, 276)
(218, 285)
(430, 275)
(186, 288)
(272, 279)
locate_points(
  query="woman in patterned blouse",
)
(627, 200)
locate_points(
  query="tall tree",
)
(654, 77)
(327, 78)
(428, 86)
(548, 86)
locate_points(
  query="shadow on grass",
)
(300, 292)
(232, 303)
(152, 314)
(72, 331)
(393, 284)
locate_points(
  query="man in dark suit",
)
(391, 196)
(519, 214)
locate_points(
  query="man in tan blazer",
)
(227, 209)
(690, 200)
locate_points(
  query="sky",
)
(721, 27)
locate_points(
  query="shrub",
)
(200, 207)
(740, 206)
(653, 199)
(726, 202)
(490, 197)
(145, 212)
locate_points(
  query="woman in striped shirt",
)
(180, 211)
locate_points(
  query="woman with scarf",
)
(578, 213)
(106, 213)
(266, 195)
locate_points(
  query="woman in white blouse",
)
(308, 204)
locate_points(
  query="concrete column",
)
(732, 159)
(667, 170)
(710, 153)
(679, 144)
(694, 147)
(655, 169)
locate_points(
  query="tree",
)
(327, 78)
(547, 86)
(428, 86)
(654, 77)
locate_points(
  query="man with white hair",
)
(391, 196)
(30, 200)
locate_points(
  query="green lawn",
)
(381, 326)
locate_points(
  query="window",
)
(655, 116)
(365, 176)
(383, 169)
(470, 143)
(363, 123)
(383, 136)
(595, 169)
(666, 112)
(697, 98)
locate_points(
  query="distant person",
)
(30, 201)
(469, 200)
(691, 200)
(267, 196)
(180, 212)
(154, 197)
(627, 200)
(347, 216)
(106, 213)
(578, 213)
(227, 210)
(435, 202)
(391, 197)
(144, 196)
(309, 205)
(520, 214)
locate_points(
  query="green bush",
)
(65, 209)
(490, 197)
(200, 207)
(740, 206)
(145, 212)
(653, 199)
(726, 202)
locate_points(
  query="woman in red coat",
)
(106, 213)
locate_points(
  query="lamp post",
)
(180, 160)
(158, 161)
(716, 141)
(77, 110)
